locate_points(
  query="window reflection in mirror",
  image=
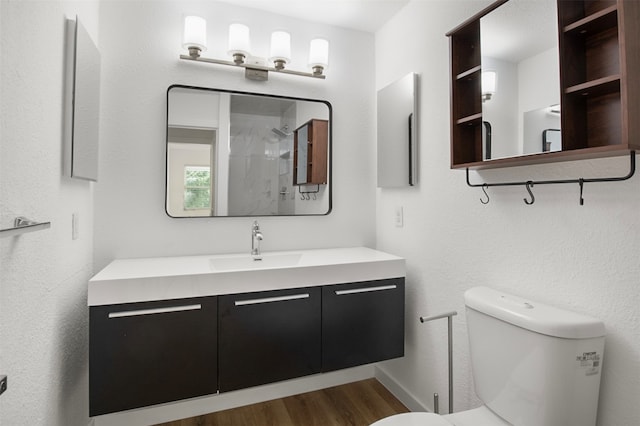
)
(231, 154)
(519, 41)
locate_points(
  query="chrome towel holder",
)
(22, 225)
(449, 316)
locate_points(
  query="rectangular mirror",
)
(397, 133)
(82, 103)
(520, 100)
(234, 153)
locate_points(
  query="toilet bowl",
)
(480, 416)
(533, 365)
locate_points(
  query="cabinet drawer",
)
(362, 323)
(269, 336)
(148, 353)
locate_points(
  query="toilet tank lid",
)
(532, 315)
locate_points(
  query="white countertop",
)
(164, 278)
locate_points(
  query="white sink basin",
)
(269, 260)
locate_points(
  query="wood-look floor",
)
(354, 404)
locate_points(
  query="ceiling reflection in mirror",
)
(234, 154)
(519, 42)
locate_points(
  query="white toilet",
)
(533, 365)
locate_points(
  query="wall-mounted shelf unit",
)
(600, 91)
(22, 225)
(311, 142)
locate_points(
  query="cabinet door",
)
(268, 336)
(362, 323)
(148, 353)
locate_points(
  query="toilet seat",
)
(413, 419)
(481, 416)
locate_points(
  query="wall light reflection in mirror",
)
(239, 48)
(489, 84)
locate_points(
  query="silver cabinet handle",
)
(366, 289)
(271, 299)
(155, 311)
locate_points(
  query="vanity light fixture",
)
(280, 49)
(239, 43)
(194, 38)
(239, 48)
(489, 80)
(318, 55)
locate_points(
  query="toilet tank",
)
(533, 364)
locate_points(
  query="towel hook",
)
(484, 189)
(528, 185)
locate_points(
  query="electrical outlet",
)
(75, 226)
(3, 384)
(399, 218)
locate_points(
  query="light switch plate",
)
(75, 226)
(399, 217)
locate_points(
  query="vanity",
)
(167, 329)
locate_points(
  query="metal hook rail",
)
(449, 316)
(304, 195)
(22, 225)
(529, 184)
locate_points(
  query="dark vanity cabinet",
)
(142, 354)
(149, 353)
(268, 336)
(362, 323)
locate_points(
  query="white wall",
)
(43, 275)
(583, 258)
(140, 45)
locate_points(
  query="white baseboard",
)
(406, 397)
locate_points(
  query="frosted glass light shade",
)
(489, 82)
(319, 53)
(239, 40)
(195, 33)
(280, 47)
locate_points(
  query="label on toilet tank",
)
(589, 362)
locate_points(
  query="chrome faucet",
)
(256, 237)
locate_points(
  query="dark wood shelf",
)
(596, 22)
(471, 119)
(600, 86)
(469, 72)
(547, 157)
